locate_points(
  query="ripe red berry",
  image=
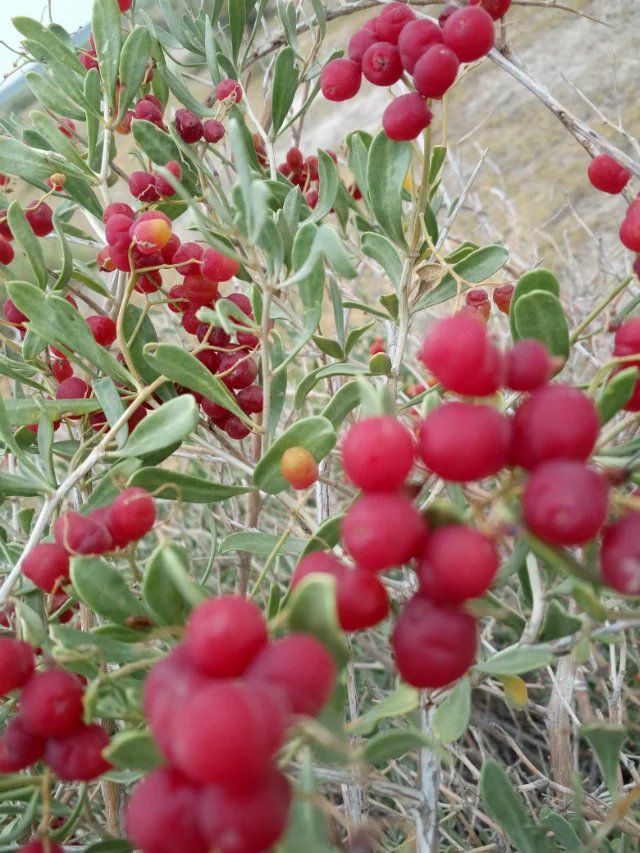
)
(45, 565)
(458, 352)
(132, 515)
(241, 301)
(250, 820)
(436, 71)
(224, 635)
(377, 454)
(162, 184)
(227, 89)
(620, 555)
(40, 217)
(187, 258)
(19, 748)
(564, 502)
(117, 208)
(359, 43)
(218, 267)
(235, 428)
(213, 131)
(61, 369)
(125, 5)
(200, 290)
(5, 231)
(381, 64)
(555, 422)
(188, 125)
(433, 645)
(147, 111)
(150, 282)
(142, 185)
(162, 814)
(79, 534)
(7, 253)
(392, 20)
(529, 365)
(496, 8)
(469, 33)
(238, 370)
(298, 467)
(630, 229)
(117, 231)
(446, 13)
(41, 846)
(361, 600)
(301, 668)
(103, 329)
(462, 442)
(13, 315)
(77, 756)
(627, 338)
(222, 734)
(73, 388)
(211, 360)
(251, 399)
(607, 175)
(317, 562)
(457, 563)
(478, 299)
(406, 117)
(502, 297)
(414, 39)
(151, 234)
(177, 299)
(383, 529)
(17, 664)
(51, 703)
(340, 80)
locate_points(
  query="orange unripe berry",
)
(298, 467)
(151, 235)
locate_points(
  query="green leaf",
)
(23, 233)
(55, 319)
(96, 648)
(106, 29)
(285, 83)
(172, 485)
(237, 21)
(482, 263)
(312, 610)
(92, 95)
(133, 750)
(156, 144)
(438, 155)
(539, 279)
(616, 393)
(262, 544)
(316, 434)
(51, 95)
(312, 379)
(326, 536)
(133, 66)
(168, 589)
(558, 623)
(506, 808)
(431, 224)
(389, 745)
(48, 128)
(515, 660)
(171, 423)
(180, 366)
(28, 410)
(108, 484)
(606, 741)
(54, 46)
(538, 314)
(452, 714)
(399, 703)
(328, 186)
(387, 166)
(104, 590)
(30, 164)
(383, 251)
(344, 400)
(118, 845)
(329, 347)
(13, 485)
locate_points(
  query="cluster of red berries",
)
(395, 42)
(49, 725)
(219, 706)
(477, 301)
(39, 216)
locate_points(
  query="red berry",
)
(45, 565)
(392, 20)
(630, 230)
(250, 820)
(312, 198)
(317, 562)
(188, 125)
(235, 428)
(224, 635)
(213, 131)
(529, 365)
(382, 530)
(142, 185)
(227, 89)
(222, 736)
(457, 563)
(469, 33)
(502, 297)
(103, 329)
(40, 217)
(218, 267)
(238, 370)
(125, 5)
(150, 282)
(5, 231)
(251, 399)
(607, 175)
(243, 303)
(436, 71)
(162, 184)
(187, 258)
(620, 555)
(7, 253)
(17, 664)
(40, 846)
(458, 352)
(298, 467)
(479, 301)
(133, 514)
(211, 360)
(496, 8)
(79, 534)
(117, 208)
(381, 64)
(13, 315)
(200, 290)
(51, 703)
(564, 502)
(61, 369)
(377, 454)
(150, 235)
(117, 231)
(300, 667)
(77, 756)
(147, 111)
(190, 322)
(177, 299)
(627, 338)
(359, 43)
(415, 38)
(406, 117)
(162, 814)
(19, 748)
(361, 600)
(433, 645)
(555, 422)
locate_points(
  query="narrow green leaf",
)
(28, 163)
(53, 97)
(389, 745)
(452, 714)
(171, 423)
(616, 393)
(106, 29)
(156, 144)
(285, 83)
(262, 544)
(329, 181)
(133, 750)
(13, 485)
(172, 485)
(326, 536)
(345, 400)
(167, 588)
(133, 66)
(515, 660)
(383, 251)
(20, 412)
(24, 235)
(506, 808)
(55, 47)
(387, 166)
(316, 434)
(104, 590)
(606, 741)
(237, 22)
